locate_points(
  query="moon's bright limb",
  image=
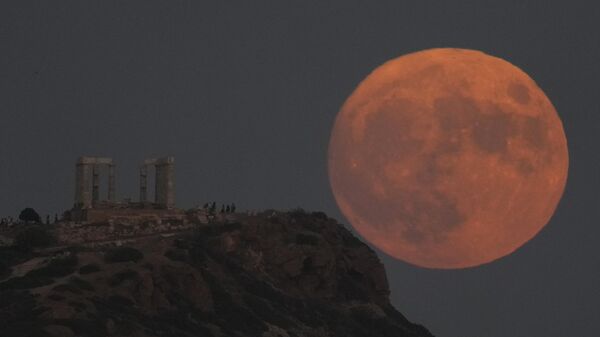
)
(448, 158)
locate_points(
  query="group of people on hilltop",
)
(211, 208)
(9, 221)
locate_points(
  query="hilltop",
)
(272, 274)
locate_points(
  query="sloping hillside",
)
(285, 274)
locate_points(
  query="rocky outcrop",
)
(274, 274)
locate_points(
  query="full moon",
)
(448, 158)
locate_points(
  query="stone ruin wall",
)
(123, 227)
(132, 215)
(73, 233)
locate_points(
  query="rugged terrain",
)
(274, 274)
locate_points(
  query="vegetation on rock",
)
(277, 274)
(30, 215)
(123, 254)
(34, 237)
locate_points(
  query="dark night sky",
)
(244, 96)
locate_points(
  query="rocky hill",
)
(274, 274)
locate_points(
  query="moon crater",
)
(448, 158)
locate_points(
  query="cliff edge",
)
(274, 274)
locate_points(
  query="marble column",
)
(165, 185)
(143, 183)
(111, 183)
(83, 197)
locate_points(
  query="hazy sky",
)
(244, 95)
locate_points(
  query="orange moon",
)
(448, 158)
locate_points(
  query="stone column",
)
(143, 183)
(165, 185)
(79, 184)
(111, 183)
(83, 197)
(95, 184)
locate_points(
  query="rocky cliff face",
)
(281, 274)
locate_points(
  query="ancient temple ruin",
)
(90, 207)
(164, 193)
(87, 181)
(98, 218)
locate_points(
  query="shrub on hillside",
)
(81, 283)
(306, 239)
(298, 213)
(123, 254)
(34, 237)
(89, 268)
(320, 215)
(219, 229)
(123, 276)
(176, 255)
(9, 257)
(30, 215)
(5, 270)
(58, 267)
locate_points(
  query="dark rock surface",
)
(274, 274)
